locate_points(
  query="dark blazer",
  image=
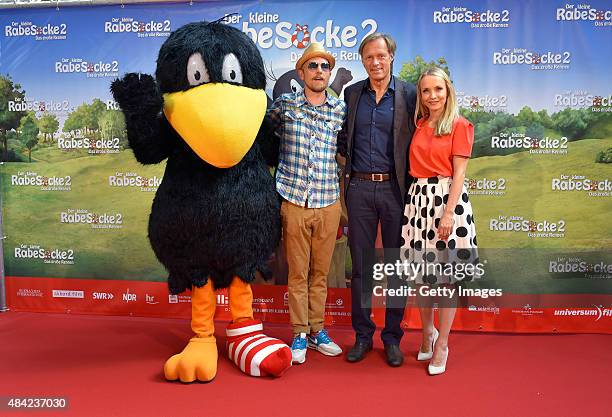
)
(403, 129)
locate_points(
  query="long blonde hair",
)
(444, 125)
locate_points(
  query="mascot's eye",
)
(231, 70)
(196, 70)
(295, 86)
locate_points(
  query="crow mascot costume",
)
(215, 218)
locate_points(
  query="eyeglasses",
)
(315, 65)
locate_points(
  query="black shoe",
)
(358, 351)
(394, 355)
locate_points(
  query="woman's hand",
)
(446, 226)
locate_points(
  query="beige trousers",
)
(309, 236)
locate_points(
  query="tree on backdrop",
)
(48, 125)
(29, 132)
(9, 92)
(411, 71)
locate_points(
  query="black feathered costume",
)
(215, 218)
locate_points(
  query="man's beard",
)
(316, 88)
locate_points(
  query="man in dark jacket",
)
(375, 141)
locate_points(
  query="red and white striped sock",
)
(255, 353)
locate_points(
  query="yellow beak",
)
(218, 121)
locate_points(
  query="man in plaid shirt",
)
(307, 123)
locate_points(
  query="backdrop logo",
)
(484, 103)
(50, 106)
(584, 12)
(542, 60)
(102, 295)
(97, 221)
(91, 69)
(99, 146)
(150, 299)
(595, 188)
(176, 299)
(476, 19)
(48, 256)
(485, 186)
(574, 265)
(143, 29)
(112, 105)
(27, 292)
(534, 229)
(268, 30)
(544, 145)
(68, 294)
(582, 99)
(129, 297)
(47, 32)
(133, 180)
(484, 309)
(597, 312)
(527, 310)
(46, 183)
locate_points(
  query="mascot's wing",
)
(268, 142)
(148, 131)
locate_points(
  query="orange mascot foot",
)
(197, 361)
(199, 358)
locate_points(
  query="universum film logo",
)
(47, 256)
(597, 312)
(541, 60)
(48, 32)
(90, 69)
(583, 99)
(575, 265)
(486, 186)
(533, 229)
(594, 188)
(267, 30)
(131, 180)
(43, 182)
(484, 103)
(95, 220)
(539, 146)
(148, 29)
(584, 13)
(476, 19)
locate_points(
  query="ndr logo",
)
(129, 297)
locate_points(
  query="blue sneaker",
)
(323, 343)
(298, 348)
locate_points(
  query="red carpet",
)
(111, 366)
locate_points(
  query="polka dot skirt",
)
(437, 261)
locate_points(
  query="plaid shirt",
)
(307, 169)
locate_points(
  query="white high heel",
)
(425, 356)
(437, 370)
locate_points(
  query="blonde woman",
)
(438, 233)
